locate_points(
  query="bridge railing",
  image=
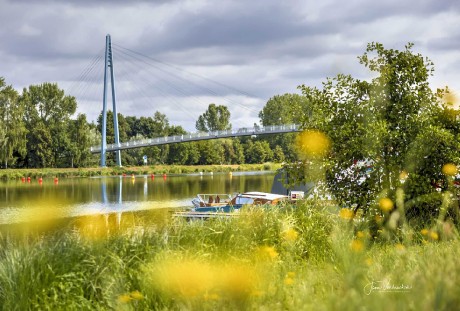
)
(199, 136)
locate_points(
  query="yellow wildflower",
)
(400, 248)
(449, 169)
(357, 246)
(346, 213)
(237, 281)
(290, 234)
(434, 235)
(288, 281)
(136, 295)
(313, 143)
(424, 231)
(360, 234)
(267, 252)
(386, 204)
(125, 298)
(291, 274)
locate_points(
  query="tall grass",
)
(302, 258)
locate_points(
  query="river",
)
(23, 201)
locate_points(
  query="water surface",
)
(72, 197)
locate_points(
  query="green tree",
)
(12, 127)
(80, 136)
(258, 152)
(216, 118)
(388, 122)
(47, 115)
(278, 155)
(284, 109)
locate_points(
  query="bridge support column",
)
(109, 65)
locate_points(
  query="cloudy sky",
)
(237, 53)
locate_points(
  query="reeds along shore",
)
(303, 258)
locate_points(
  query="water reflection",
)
(75, 197)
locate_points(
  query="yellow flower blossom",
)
(386, 204)
(399, 247)
(290, 234)
(267, 252)
(125, 298)
(424, 231)
(449, 169)
(136, 295)
(288, 281)
(434, 235)
(360, 234)
(357, 246)
(313, 143)
(346, 213)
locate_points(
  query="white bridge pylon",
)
(271, 129)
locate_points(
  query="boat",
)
(211, 202)
(224, 205)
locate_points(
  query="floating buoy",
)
(28, 179)
(132, 176)
(23, 179)
(40, 180)
(152, 176)
(201, 173)
(56, 180)
(164, 176)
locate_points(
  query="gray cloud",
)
(262, 48)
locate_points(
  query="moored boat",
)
(212, 205)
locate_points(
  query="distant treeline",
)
(38, 129)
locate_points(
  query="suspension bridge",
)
(117, 146)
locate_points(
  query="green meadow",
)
(305, 257)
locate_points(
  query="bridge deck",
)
(272, 129)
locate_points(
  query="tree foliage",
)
(280, 110)
(38, 129)
(12, 127)
(393, 122)
(47, 114)
(216, 118)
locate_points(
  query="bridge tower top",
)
(108, 65)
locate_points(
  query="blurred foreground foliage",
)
(307, 257)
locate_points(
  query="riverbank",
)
(136, 170)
